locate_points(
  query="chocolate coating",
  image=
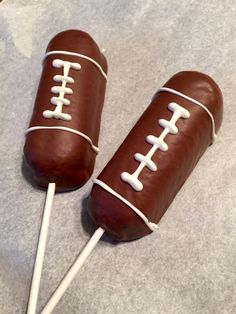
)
(173, 166)
(56, 155)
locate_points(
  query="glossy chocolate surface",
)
(173, 166)
(60, 156)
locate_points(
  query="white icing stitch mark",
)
(62, 128)
(151, 225)
(175, 92)
(62, 90)
(158, 143)
(69, 53)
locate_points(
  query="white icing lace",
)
(70, 53)
(196, 102)
(169, 127)
(62, 90)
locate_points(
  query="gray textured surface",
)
(189, 265)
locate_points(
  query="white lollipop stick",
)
(58, 293)
(34, 290)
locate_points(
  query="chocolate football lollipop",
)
(139, 183)
(62, 138)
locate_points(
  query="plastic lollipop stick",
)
(72, 272)
(34, 290)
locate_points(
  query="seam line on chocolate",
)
(70, 53)
(151, 225)
(62, 128)
(196, 102)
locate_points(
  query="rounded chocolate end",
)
(202, 88)
(77, 41)
(70, 167)
(109, 213)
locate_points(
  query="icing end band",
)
(62, 128)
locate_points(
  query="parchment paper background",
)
(189, 265)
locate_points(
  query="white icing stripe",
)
(69, 53)
(152, 226)
(175, 92)
(88, 139)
